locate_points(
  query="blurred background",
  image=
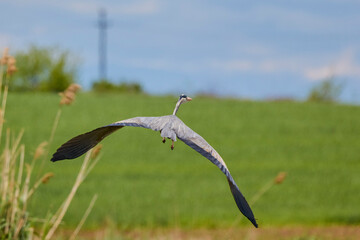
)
(240, 49)
(275, 90)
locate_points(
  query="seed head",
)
(11, 60)
(11, 65)
(74, 87)
(280, 177)
(68, 96)
(96, 151)
(11, 69)
(47, 177)
(5, 56)
(40, 150)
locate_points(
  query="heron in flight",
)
(170, 127)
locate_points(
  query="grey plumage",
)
(170, 127)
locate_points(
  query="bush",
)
(43, 69)
(327, 91)
(123, 87)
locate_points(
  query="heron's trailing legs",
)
(172, 145)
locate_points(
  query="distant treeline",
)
(52, 69)
(104, 85)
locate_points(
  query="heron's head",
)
(183, 98)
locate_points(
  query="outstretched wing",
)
(198, 143)
(79, 145)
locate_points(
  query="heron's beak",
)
(188, 98)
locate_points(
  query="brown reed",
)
(280, 177)
(68, 96)
(56, 219)
(15, 174)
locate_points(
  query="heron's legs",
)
(163, 140)
(172, 145)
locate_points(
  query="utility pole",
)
(102, 25)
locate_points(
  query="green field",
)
(141, 182)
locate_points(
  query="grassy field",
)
(140, 182)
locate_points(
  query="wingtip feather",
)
(242, 204)
(80, 144)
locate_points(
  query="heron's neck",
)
(176, 107)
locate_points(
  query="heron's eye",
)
(183, 96)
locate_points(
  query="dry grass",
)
(267, 233)
(16, 190)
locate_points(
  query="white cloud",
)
(234, 65)
(143, 7)
(315, 74)
(138, 7)
(261, 65)
(213, 65)
(345, 65)
(299, 20)
(162, 64)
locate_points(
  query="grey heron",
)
(171, 127)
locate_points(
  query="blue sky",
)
(247, 49)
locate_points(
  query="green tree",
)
(60, 75)
(326, 91)
(44, 69)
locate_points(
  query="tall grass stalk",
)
(82, 221)
(67, 98)
(56, 219)
(277, 180)
(3, 102)
(15, 187)
(51, 138)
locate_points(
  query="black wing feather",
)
(79, 145)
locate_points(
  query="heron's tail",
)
(79, 145)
